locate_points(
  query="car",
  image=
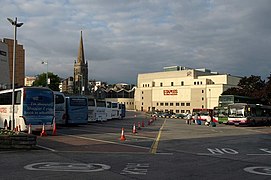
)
(179, 116)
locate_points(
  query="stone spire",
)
(81, 56)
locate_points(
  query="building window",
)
(142, 104)
(148, 85)
(202, 106)
(202, 98)
(195, 83)
(187, 104)
(161, 84)
(142, 92)
(177, 111)
(142, 97)
(143, 85)
(166, 104)
(182, 111)
(177, 104)
(182, 104)
(182, 83)
(157, 104)
(200, 82)
(171, 104)
(202, 91)
(153, 84)
(172, 84)
(161, 104)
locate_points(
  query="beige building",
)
(4, 66)
(180, 89)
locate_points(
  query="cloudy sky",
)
(125, 37)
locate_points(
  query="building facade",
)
(28, 80)
(4, 66)
(81, 71)
(179, 90)
(20, 62)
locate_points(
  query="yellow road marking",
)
(156, 142)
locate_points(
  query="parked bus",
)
(108, 110)
(221, 111)
(122, 110)
(91, 110)
(249, 114)
(100, 110)
(60, 108)
(115, 110)
(32, 105)
(203, 114)
(77, 110)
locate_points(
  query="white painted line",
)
(208, 154)
(110, 142)
(259, 154)
(46, 148)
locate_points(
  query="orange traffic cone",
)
(142, 124)
(134, 129)
(122, 137)
(29, 129)
(54, 128)
(43, 133)
(138, 125)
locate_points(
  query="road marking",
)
(138, 136)
(261, 170)
(156, 142)
(72, 167)
(43, 147)
(110, 142)
(136, 168)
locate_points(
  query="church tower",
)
(81, 71)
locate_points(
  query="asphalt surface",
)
(165, 149)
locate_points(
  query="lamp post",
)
(43, 62)
(15, 24)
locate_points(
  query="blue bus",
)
(32, 105)
(77, 110)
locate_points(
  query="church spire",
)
(81, 56)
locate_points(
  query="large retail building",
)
(180, 89)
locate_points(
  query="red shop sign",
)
(171, 92)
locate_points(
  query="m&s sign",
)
(171, 92)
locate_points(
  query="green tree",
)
(54, 81)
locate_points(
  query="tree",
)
(54, 81)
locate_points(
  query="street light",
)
(15, 24)
(43, 62)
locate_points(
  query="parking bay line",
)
(156, 142)
(137, 136)
(110, 142)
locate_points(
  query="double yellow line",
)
(156, 142)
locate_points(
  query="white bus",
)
(249, 114)
(108, 110)
(91, 110)
(115, 110)
(32, 105)
(60, 108)
(100, 110)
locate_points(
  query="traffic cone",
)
(54, 128)
(142, 124)
(29, 129)
(134, 129)
(43, 132)
(122, 137)
(138, 125)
